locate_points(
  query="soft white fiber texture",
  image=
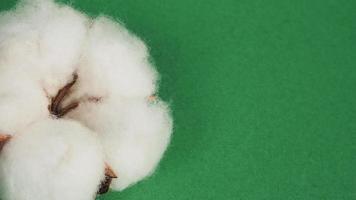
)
(52, 159)
(135, 134)
(42, 44)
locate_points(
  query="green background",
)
(262, 93)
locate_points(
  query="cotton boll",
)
(48, 49)
(145, 136)
(135, 135)
(115, 62)
(52, 160)
(44, 39)
(22, 102)
(61, 44)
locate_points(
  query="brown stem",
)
(3, 140)
(152, 98)
(67, 109)
(55, 106)
(109, 171)
(105, 184)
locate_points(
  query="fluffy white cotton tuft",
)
(115, 63)
(21, 102)
(52, 159)
(45, 46)
(135, 134)
(44, 40)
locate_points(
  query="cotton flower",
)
(77, 105)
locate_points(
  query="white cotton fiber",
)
(135, 134)
(21, 102)
(43, 39)
(115, 62)
(52, 160)
(46, 48)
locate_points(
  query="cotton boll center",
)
(57, 109)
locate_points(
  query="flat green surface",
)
(263, 95)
